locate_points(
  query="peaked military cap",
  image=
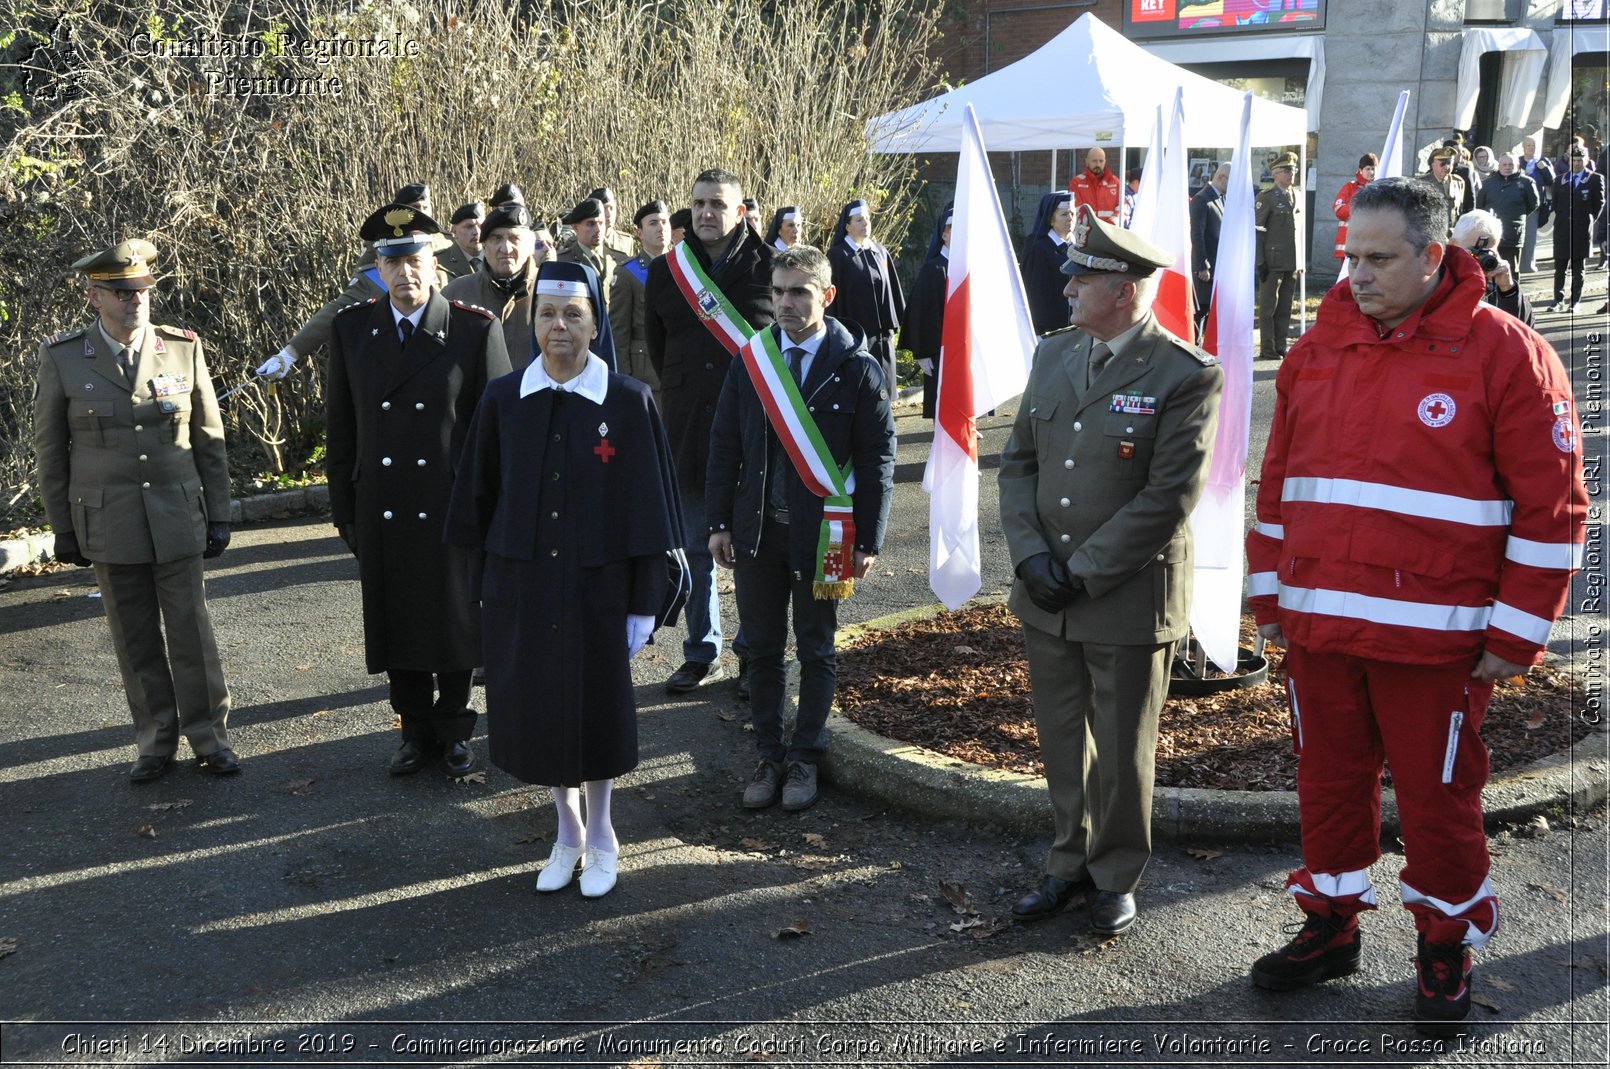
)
(591, 208)
(1287, 161)
(125, 266)
(507, 215)
(1445, 152)
(1100, 248)
(399, 230)
(472, 210)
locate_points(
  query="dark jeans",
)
(766, 587)
(425, 717)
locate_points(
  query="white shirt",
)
(397, 317)
(1056, 238)
(810, 345)
(592, 383)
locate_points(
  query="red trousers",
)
(1348, 715)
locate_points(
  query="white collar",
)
(414, 317)
(780, 244)
(1056, 239)
(944, 250)
(810, 344)
(856, 245)
(592, 383)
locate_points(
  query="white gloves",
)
(279, 365)
(927, 365)
(639, 629)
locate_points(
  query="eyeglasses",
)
(125, 296)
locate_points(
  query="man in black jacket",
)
(702, 298)
(1207, 216)
(767, 523)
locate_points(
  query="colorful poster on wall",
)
(1189, 18)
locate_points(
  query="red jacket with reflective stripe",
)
(1422, 495)
(1102, 192)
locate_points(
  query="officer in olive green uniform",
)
(463, 255)
(508, 271)
(130, 454)
(1278, 215)
(588, 247)
(1455, 190)
(1107, 457)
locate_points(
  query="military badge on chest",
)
(603, 450)
(165, 387)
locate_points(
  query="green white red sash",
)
(707, 300)
(802, 440)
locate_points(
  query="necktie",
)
(1099, 356)
(796, 357)
(125, 362)
(405, 328)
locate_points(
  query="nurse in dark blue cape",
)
(787, 227)
(567, 488)
(925, 315)
(1043, 257)
(869, 292)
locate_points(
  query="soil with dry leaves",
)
(957, 683)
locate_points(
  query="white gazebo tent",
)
(1087, 86)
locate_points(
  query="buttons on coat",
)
(1066, 502)
(554, 476)
(553, 515)
(144, 458)
(385, 406)
(385, 462)
(1068, 463)
(139, 426)
(419, 406)
(421, 515)
(553, 553)
(145, 486)
(1078, 426)
(387, 514)
(1067, 538)
(1159, 556)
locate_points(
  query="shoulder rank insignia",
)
(177, 332)
(1201, 356)
(455, 302)
(356, 304)
(66, 335)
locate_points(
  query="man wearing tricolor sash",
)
(1420, 514)
(703, 298)
(798, 488)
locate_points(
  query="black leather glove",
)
(345, 531)
(217, 539)
(67, 549)
(1046, 581)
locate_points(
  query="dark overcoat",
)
(870, 297)
(1044, 281)
(574, 504)
(923, 331)
(691, 363)
(398, 419)
(1575, 208)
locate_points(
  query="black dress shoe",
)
(1112, 912)
(1051, 897)
(743, 679)
(220, 762)
(410, 757)
(459, 758)
(149, 767)
(691, 676)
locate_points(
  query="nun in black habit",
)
(787, 228)
(869, 291)
(925, 315)
(1043, 257)
(568, 489)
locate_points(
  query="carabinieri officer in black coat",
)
(406, 372)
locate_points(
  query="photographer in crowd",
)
(1479, 232)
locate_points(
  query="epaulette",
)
(66, 335)
(456, 303)
(1054, 333)
(177, 332)
(356, 304)
(1200, 355)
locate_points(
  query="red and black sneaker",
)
(1442, 998)
(1324, 948)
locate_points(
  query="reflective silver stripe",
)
(1473, 511)
(1450, 753)
(1386, 610)
(1296, 712)
(1544, 554)
(1270, 530)
(1533, 629)
(1262, 583)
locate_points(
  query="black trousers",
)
(434, 707)
(1575, 263)
(767, 588)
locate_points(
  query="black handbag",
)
(678, 585)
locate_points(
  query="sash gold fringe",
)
(834, 591)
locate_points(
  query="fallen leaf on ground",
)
(956, 894)
(814, 839)
(7, 946)
(531, 837)
(1536, 720)
(966, 923)
(304, 668)
(728, 715)
(1498, 982)
(896, 865)
(147, 832)
(1202, 853)
(1552, 891)
(473, 777)
(795, 930)
(1483, 1000)
(177, 803)
(749, 842)
(296, 786)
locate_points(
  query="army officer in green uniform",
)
(130, 454)
(1107, 458)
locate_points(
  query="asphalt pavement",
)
(315, 910)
